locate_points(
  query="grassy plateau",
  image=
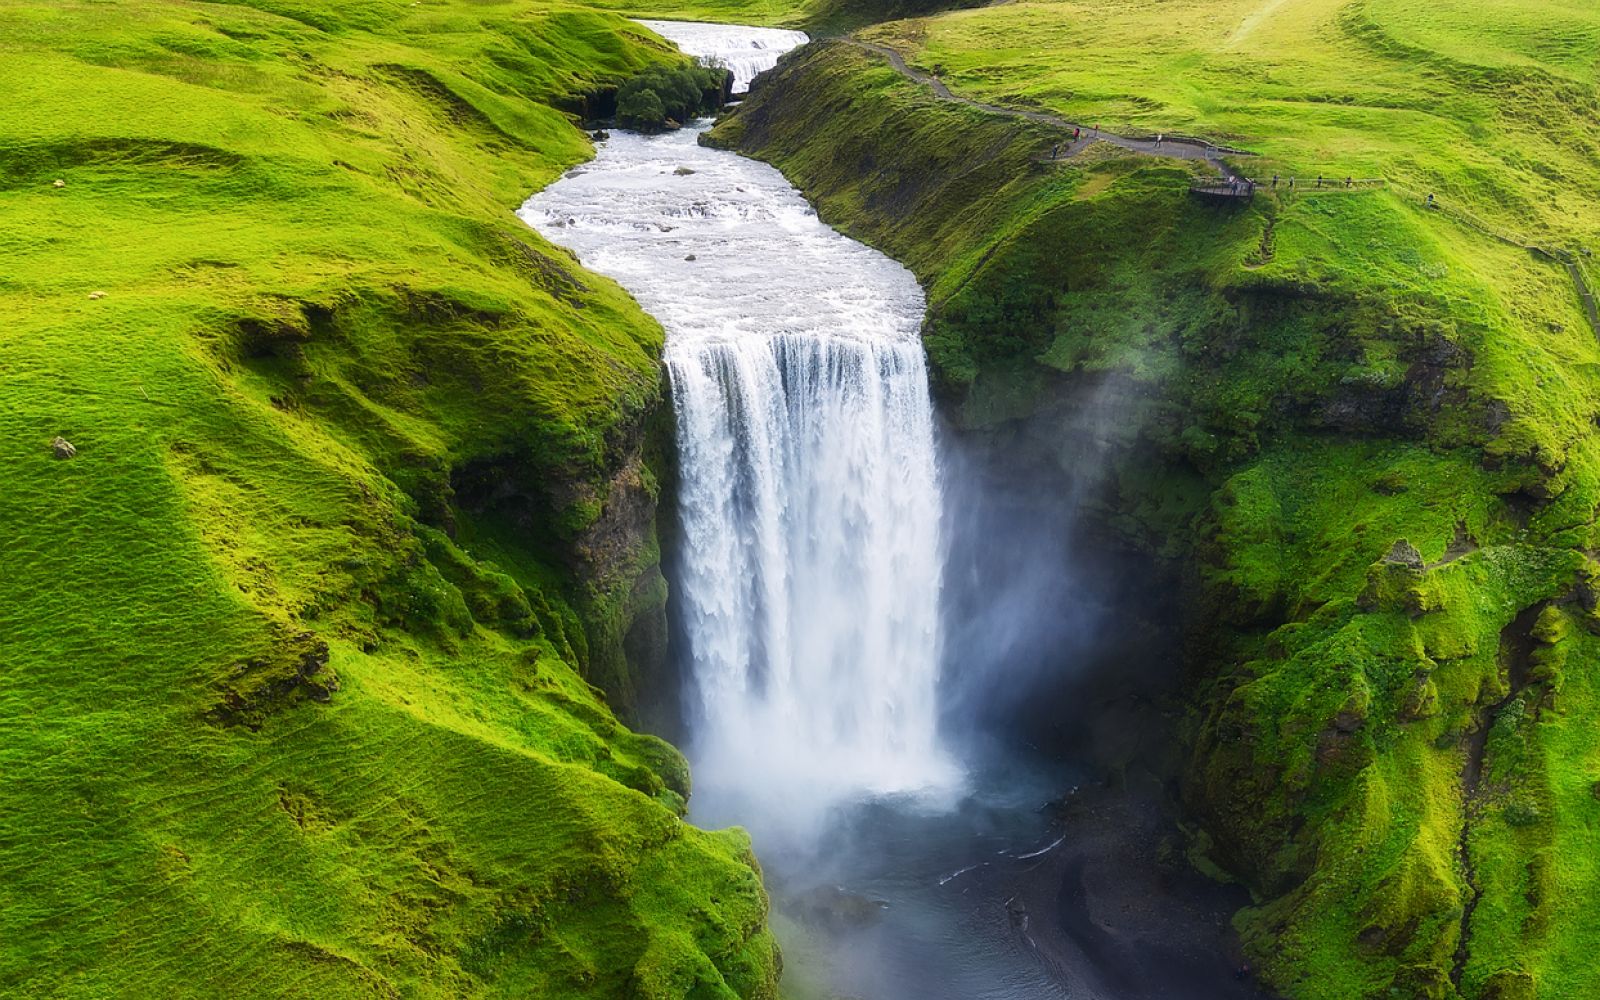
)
(298, 653)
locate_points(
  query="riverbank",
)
(1270, 400)
(304, 635)
(783, 346)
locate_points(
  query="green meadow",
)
(281, 713)
(312, 670)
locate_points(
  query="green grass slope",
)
(1365, 429)
(296, 652)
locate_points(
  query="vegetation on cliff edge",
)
(1367, 428)
(296, 650)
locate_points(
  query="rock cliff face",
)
(603, 529)
(1360, 502)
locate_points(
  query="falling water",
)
(807, 573)
(809, 492)
(745, 51)
(810, 508)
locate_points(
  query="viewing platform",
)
(1246, 188)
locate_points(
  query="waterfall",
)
(810, 507)
(746, 52)
(809, 560)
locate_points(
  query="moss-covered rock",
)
(1383, 527)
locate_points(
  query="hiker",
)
(1430, 200)
(1159, 137)
(1349, 182)
(1274, 182)
(1055, 149)
(1075, 133)
(1291, 184)
(1319, 180)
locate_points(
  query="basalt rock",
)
(837, 908)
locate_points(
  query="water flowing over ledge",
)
(747, 52)
(809, 495)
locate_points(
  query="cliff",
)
(306, 616)
(1360, 431)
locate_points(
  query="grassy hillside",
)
(1365, 428)
(296, 651)
(1483, 102)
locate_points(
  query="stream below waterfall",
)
(807, 575)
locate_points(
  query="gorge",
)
(812, 555)
(891, 542)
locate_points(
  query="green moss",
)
(1366, 431)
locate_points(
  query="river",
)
(809, 568)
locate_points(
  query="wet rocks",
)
(1403, 553)
(294, 666)
(1393, 581)
(838, 908)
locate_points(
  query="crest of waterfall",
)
(746, 52)
(809, 561)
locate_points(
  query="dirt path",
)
(1177, 148)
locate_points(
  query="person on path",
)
(1349, 182)
(1054, 150)
(1075, 133)
(1274, 182)
(1159, 137)
(1430, 200)
(1319, 180)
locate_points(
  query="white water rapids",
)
(809, 500)
(746, 51)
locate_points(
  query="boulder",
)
(63, 448)
(837, 908)
(1403, 553)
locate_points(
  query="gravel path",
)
(1185, 148)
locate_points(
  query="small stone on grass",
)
(63, 448)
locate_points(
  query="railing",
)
(1244, 187)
